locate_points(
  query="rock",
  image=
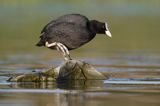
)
(74, 69)
(69, 70)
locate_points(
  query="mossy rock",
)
(69, 70)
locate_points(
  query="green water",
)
(132, 54)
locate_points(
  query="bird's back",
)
(77, 19)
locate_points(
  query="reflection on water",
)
(135, 87)
(131, 59)
(130, 82)
(108, 94)
(79, 99)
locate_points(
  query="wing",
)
(77, 19)
(45, 29)
(69, 34)
(73, 18)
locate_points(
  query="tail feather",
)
(40, 43)
(42, 40)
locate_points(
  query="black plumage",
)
(72, 30)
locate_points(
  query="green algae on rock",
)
(69, 70)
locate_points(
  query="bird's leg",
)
(50, 45)
(60, 47)
(64, 50)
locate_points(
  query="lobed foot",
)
(61, 48)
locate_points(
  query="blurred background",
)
(133, 53)
(134, 25)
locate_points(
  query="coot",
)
(69, 32)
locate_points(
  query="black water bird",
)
(71, 31)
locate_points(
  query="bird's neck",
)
(96, 27)
(91, 27)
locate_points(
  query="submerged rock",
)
(69, 70)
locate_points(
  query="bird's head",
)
(100, 27)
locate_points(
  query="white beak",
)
(107, 31)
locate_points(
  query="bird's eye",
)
(104, 27)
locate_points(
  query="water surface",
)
(131, 59)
